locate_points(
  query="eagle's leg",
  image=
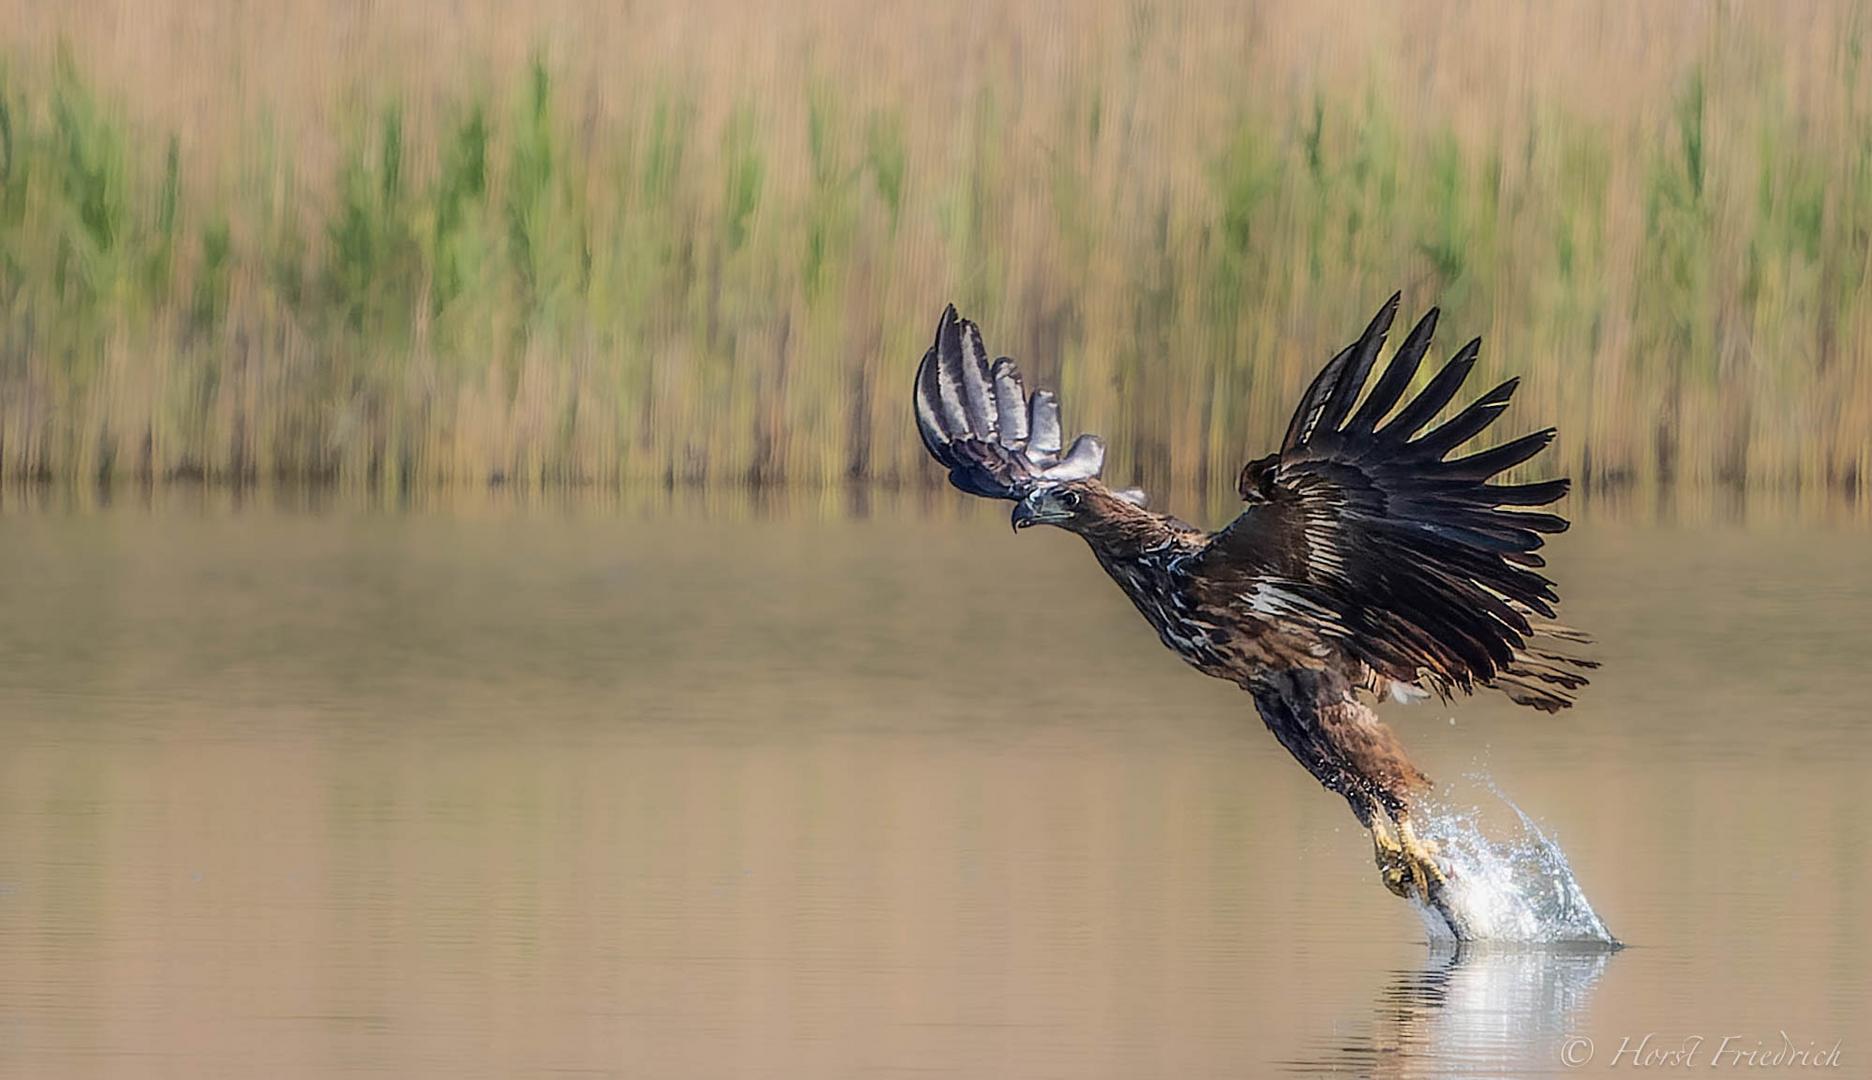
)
(1341, 741)
(1389, 853)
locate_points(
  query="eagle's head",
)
(1077, 505)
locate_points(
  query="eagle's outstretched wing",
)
(978, 420)
(1372, 536)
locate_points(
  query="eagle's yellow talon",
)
(1421, 855)
(1407, 864)
(1393, 866)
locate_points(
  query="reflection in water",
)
(1485, 1009)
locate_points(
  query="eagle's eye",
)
(1069, 500)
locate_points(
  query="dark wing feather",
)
(1313, 402)
(978, 421)
(1468, 423)
(1374, 539)
(1442, 388)
(1396, 378)
(1351, 379)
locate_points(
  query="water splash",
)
(1513, 888)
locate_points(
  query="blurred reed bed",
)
(410, 245)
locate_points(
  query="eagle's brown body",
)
(1149, 556)
(1303, 686)
(1367, 561)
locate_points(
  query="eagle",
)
(1367, 562)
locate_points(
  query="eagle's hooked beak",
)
(1046, 506)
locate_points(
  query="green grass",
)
(496, 288)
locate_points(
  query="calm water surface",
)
(302, 790)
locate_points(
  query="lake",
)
(303, 785)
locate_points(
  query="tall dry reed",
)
(410, 245)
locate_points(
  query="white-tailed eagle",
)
(1367, 562)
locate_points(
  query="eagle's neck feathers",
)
(1117, 528)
